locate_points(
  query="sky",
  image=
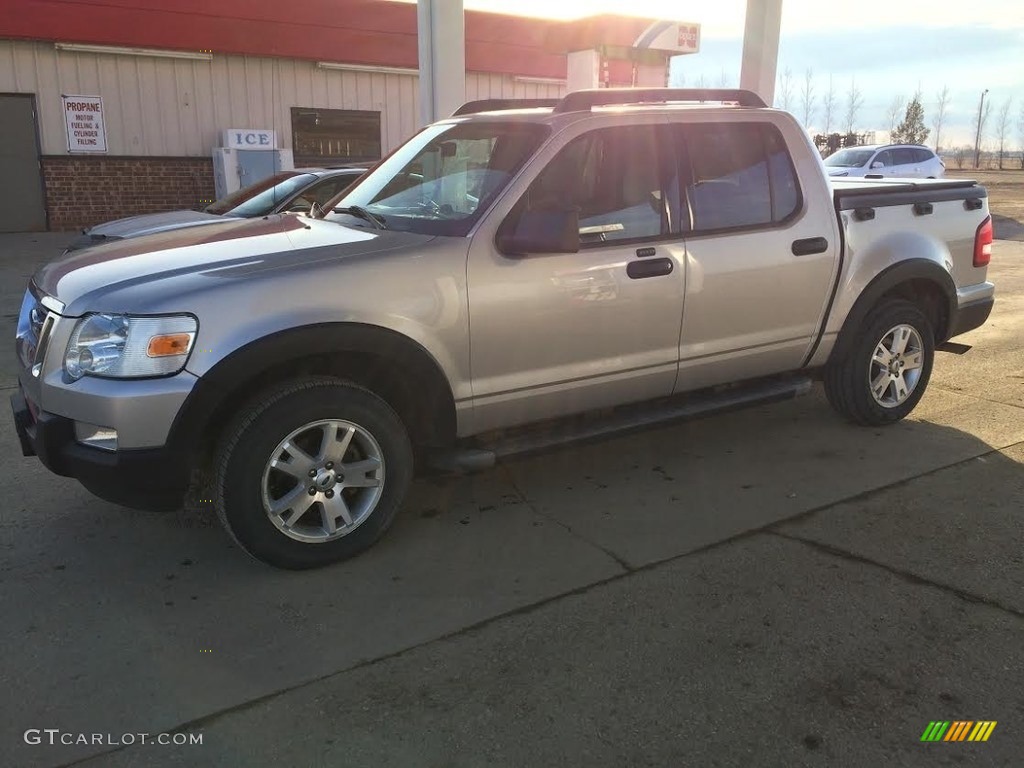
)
(889, 48)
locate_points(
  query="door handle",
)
(638, 270)
(809, 245)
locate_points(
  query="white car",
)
(898, 161)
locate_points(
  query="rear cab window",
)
(736, 176)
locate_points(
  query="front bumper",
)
(152, 478)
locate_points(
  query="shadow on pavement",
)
(127, 621)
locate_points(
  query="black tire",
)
(847, 384)
(251, 439)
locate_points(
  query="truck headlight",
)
(124, 347)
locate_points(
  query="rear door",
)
(929, 163)
(761, 251)
(907, 165)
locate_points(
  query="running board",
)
(953, 346)
(482, 454)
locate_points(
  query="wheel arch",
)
(921, 281)
(392, 365)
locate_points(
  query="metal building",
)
(112, 109)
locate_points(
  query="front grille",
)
(35, 323)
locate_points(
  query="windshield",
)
(261, 198)
(442, 179)
(849, 158)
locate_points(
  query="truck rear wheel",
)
(885, 372)
(312, 473)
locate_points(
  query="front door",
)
(555, 334)
(888, 168)
(22, 205)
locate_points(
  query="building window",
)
(323, 137)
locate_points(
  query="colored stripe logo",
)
(958, 730)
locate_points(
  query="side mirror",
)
(878, 164)
(546, 230)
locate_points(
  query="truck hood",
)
(150, 223)
(137, 274)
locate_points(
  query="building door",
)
(22, 205)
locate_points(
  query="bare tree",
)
(854, 101)
(960, 155)
(701, 81)
(984, 108)
(785, 94)
(1003, 128)
(807, 98)
(723, 79)
(828, 106)
(941, 107)
(1020, 133)
(895, 112)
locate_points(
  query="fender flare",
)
(234, 375)
(884, 282)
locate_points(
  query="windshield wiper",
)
(361, 213)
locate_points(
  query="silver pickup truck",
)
(518, 275)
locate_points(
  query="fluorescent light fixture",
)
(119, 51)
(540, 80)
(366, 68)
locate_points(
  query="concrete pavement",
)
(769, 587)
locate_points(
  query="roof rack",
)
(496, 105)
(583, 101)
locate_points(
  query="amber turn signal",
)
(169, 344)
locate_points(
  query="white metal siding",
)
(177, 107)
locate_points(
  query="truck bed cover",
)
(861, 192)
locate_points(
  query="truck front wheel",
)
(885, 371)
(311, 473)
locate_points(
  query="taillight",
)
(983, 243)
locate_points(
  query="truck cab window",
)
(741, 175)
(613, 176)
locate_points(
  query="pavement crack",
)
(972, 395)
(908, 576)
(567, 528)
(628, 572)
(871, 492)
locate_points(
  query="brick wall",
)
(82, 191)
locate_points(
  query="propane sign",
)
(83, 116)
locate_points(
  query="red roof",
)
(372, 32)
